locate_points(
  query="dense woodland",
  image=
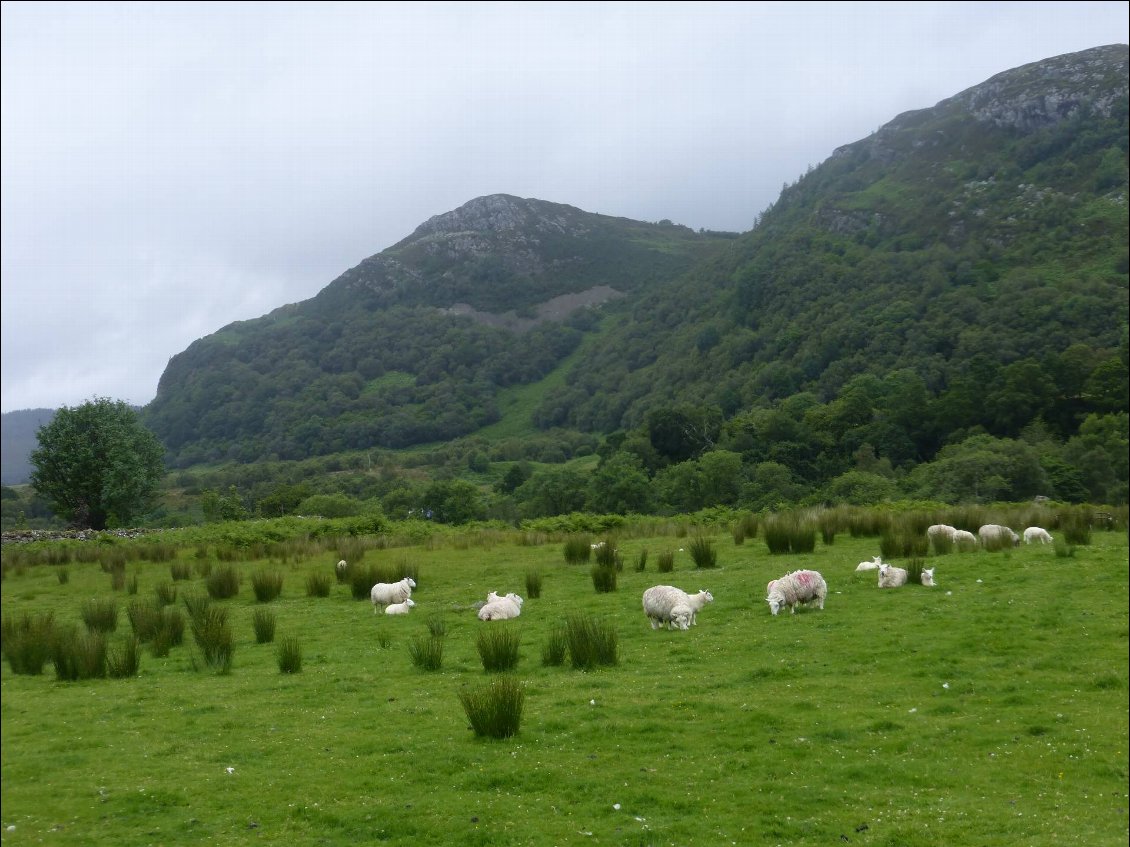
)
(937, 312)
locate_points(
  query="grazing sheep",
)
(501, 608)
(1035, 533)
(992, 533)
(681, 615)
(660, 600)
(873, 565)
(940, 530)
(891, 577)
(927, 577)
(386, 593)
(795, 588)
(964, 541)
(400, 608)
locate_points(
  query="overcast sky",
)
(170, 168)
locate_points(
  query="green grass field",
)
(989, 710)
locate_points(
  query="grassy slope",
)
(991, 710)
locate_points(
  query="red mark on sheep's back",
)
(803, 577)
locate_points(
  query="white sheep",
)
(681, 616)
(795, 588)
(1035, 533)
(927, 577)
(387, 593)
(501, 608)
(400, 608)
(873, 565)
(660, 600)
(964, 541)
(341, 567)
(891, 577)
(940, 530)
(992, 533)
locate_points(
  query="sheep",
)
(501, 608)
(387, 593)
(940, 530)
(660, 600)
(400, 608)
(927, 577)
(964, 541)
(1035, 533)
(794, 588)
(697, 601)
(873, 565)
(681, 615)
(341, 567)
(891, 577)
(992, 533)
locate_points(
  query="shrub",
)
(318, 585)
(213, 636)
(533, 583)
(498, 648)
(577, 549)
(703, 553)
(166, 593)
(263, 621)
(100, 615)
(27, 641)
(79, 655)
(592, 642)
(290, 654)
(267, 585)
(426, 652)
(603, 578)
(553, 652)
(222, 583)
(180, 571)
(494, 710)
(126, 661)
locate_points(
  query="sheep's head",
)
(928, 576)
(409, 602)
(411, 583)
(775, 601)
(514, 598)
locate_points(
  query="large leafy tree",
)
(97, 465)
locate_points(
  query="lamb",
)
(891, 577)
(681, 615)
(927, 577)
(501, 608)
(1035, 533)
(659, 602)
(400, 608)
(795, 588)
(992, 533)
(964, 541)
(387, 593)
(873, 565)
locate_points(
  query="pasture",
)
(989, 710)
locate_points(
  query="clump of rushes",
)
(592, 642)
(361, 581)
(702, 552)
(222, 583)
(666, 562)
(577, 549)
(533, 583)
(437, 625)
(290, 655)
(100, 615)
(426, 652)
(196, 604)
(498, 648)
(27, 641)
(263, 621)
(79, 655)
(213, 636)
(180, 571)
(641, 561)
(125, 661)
(63, 576)
(553, 652)
(494, 710)
(267, 585)
(166, 593)
(318, 585)
(603, 578)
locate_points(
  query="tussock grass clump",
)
(555, 647)
(665, 563)
(426, 652)
(318, 585)
(290, 654)
(1076, 530)
(131, 586)
(213, 635)
(361, 581)
(204, 567)
(100, 614)
(79, 655)
(63, 575)
(641, 561)
(914, 571)
(494, 710)
(169, 632)
(118, 579)
(267, 585)
(702, 552)
(592, 642)
(437, 625)
(1063, 550)
(533, 583)
(196, 604)
(222, 583)
(608, 556)
(27, 641)
(144, 618)
(180, 571)
(263, 621)
(498, 648)
(577, 549)
(867, 523)
(904, 540)
(785, 534)
(124, 661)
(166, 593)
(942, 544)
(604, 578)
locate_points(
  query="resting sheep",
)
(891, 577)
(1035, 533)
(964, 541)
(927, 577)
(992, 534)
(795, 588)
(400, 608)
(873, 565)
(387, 593)
(501, 608)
